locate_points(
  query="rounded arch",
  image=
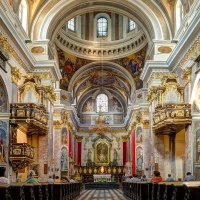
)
(96, 18)
(64, 10)
(94, 65)
(94, 96)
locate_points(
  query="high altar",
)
(99, 177)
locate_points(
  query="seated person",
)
(169, 178)
(189, 177)
(144, 178)
(30, 178)
(57, 180)
(3, 179)
(157, 178)
(135, 178)
(50, 180)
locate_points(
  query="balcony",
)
(31, 118)
(21, 155)
(171, 118)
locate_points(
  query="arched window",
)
(102, 103)
(71, 24)
(102, 27)
(23, 13)
(131, 25)
(179, 13)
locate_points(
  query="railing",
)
(30, 113)
(109, 50)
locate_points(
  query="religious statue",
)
(64, 160)
(115, 155)
(198, 149)
(64, 136)
(88, 107)
(89, 155)
(139, 160)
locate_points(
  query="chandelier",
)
(100, 127)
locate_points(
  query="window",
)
(131, 25)
(71, 24)
(102, 27)
(179, 14)
(102, 103)
(23, 14)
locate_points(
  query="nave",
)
(102, 195)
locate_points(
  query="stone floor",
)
(102, 195)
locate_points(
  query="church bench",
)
(43, 191)
(5, 192)
(162, 191)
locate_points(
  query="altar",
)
(103, 177)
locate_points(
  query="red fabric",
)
(79, 153)
(124, 153)
(70, 145)
(133, 153)
(156, 179)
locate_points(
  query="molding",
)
(152, 66)
(109, 50)
(4, 116)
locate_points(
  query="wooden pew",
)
(162, 191)
(5, 192)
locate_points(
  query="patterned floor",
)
(102, 195)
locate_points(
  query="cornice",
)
(94, 50)
(184, 43)
(153, 66)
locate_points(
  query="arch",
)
(64, 10)
(94, 65)
(4, 103)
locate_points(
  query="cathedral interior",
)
(91, 87)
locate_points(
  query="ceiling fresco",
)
(69, 64)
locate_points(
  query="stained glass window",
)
(102, 27)
(71, 24)
(131, 25)
(102, 103)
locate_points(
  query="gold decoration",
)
(57, 124)
(11, 51)
(79, 138)
(125, 138)
(145, 124)
(37, 49)
(186, 74)
(164, 49)
(158, 75)
(16, 75)
(50, 94)
(192, 52)
(56, 114)
(100, 129)
(158, 93)
(44, 75)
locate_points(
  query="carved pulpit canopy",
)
(171, 113)
(170, 92)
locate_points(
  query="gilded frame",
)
(97, 163)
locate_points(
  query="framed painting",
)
(35, 168)
(102, 153)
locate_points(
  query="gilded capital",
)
(186, 74)
(42, 75)
(79, 138)
(56, 124)
(16, 75)
(50, 94)
(125, 138)
(145, 124)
